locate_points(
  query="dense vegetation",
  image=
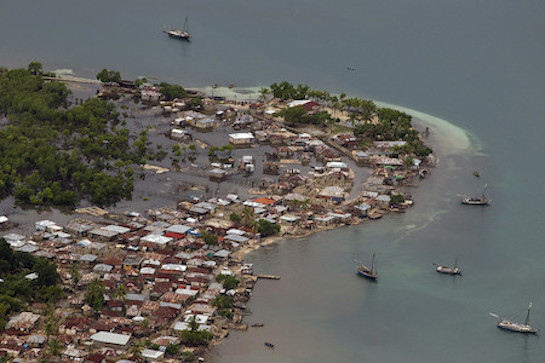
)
(298, 115)
(16, 290)
(172, 91)
(193, 336)
(209, 238)
(229, 282)
(224, 305)
(394, 125)
(266, 228)
(94, 296)
(51, 154)
(286, 91)
(106, 75)
(388, 124)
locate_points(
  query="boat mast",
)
(185, 29)
(528, 314)
(455, 262)
(484, 192)
(373, 263)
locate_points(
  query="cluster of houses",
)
(166, 268)
(158, 270)
(167, 272)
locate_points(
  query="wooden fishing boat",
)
(364, 271)
(482, 200)
(447, 270)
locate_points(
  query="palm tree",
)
(305, 204)
(263, 93)
(247, 214)
(74, 273)
(136, 350)
(294, 203)
(120, 292)
(54, 348)
(51, 321)
(335, 104)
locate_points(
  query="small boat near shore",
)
(364, 271)
(524, 328)
(482, 200)
(257, 325)
(447, 270)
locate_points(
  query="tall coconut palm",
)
(120, 292)
(247, 214)
(75, 273)
(264, 93)
(54, 348)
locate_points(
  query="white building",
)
(241, 138)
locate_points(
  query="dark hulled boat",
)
(369, 273)
(482, 200)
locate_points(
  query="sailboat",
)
(367, 272)
(447, 270)
(179, 33)
(508, 325)
(482, 200)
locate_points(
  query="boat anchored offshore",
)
(367, 272)
(447, 270)
(524, 328)
(270, 345)
(482, 200)
(179, 33)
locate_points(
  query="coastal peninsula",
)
(165, 282)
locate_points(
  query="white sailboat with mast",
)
(524, 328)
(180, 33)
(447, 270)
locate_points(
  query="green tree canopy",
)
(267, 228)
(54, 155)
(229, 282)
(235, 218)
(209, 238)
(106, 75)
(94, 296)
(172, 91)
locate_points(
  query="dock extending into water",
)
(269, 277)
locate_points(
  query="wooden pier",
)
(269, 277)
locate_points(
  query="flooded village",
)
(228, 178)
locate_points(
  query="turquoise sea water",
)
(477, 64)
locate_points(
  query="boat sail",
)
(447, 270)
(483, 200)
(180, 33)
(524, 328)
(367, 272)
